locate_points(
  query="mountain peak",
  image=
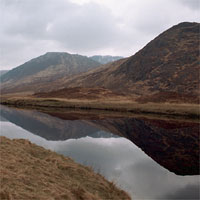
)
(168, 66)
(46, 68)
(56, 53)
(185, 24)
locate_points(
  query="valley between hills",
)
(162, 78)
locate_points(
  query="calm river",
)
(148, 158)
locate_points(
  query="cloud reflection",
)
(121, 161)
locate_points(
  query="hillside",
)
(82, 93)
(47, 175)
(105, 59)
(167, 65)
(2, 72)
(41, 71)
(165, 70)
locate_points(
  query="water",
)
(148, 170)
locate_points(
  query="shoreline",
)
(188, 111)
(59, 176)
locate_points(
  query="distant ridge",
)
(38, 72)
(2, 72)
(105, 59)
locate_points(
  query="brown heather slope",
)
(82, 93)
(31, 172)
(167, 65)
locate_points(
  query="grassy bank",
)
(31, 172)
(182, 110)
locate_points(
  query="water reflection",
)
(116, 158)
(172, 144)
(48, 127)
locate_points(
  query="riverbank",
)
(32, 172)
(164, 109)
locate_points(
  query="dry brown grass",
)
(31, 172)
(82, 94)
(116, 105)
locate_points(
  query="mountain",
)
(167, 66)
(2, 72)
(41, 71)
(105, 59)
(166, 69)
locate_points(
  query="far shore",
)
(183, 110)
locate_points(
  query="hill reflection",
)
(172, 144)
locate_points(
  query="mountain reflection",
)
(172, 144)
(49, 127)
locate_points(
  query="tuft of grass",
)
(28, 171)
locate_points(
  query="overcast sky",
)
(29, 28)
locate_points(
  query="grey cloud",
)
(189, 192)
(192, 4)
(30, 28)
(69, 26)
(75, 26)
(91, 27)
(28, 18)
